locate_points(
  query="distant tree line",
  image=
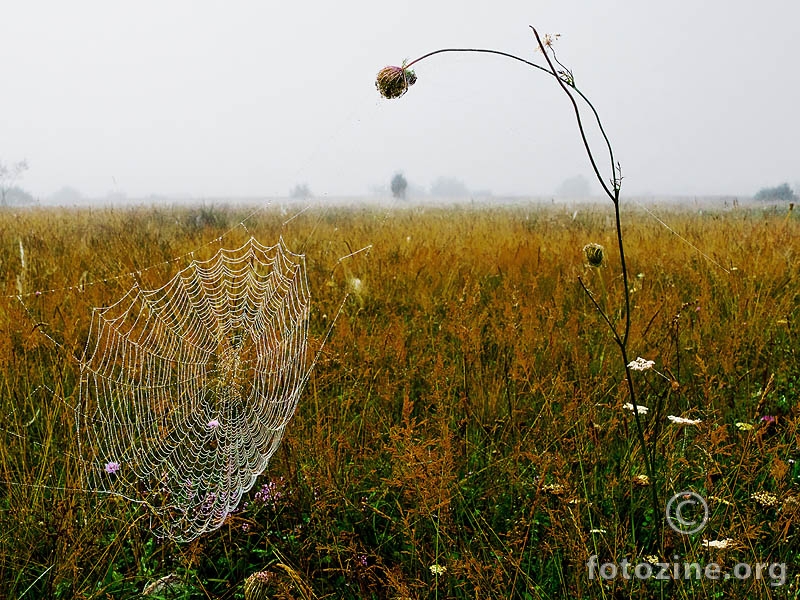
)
(781, 192)
(444, 187)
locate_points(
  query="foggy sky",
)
(251, 98)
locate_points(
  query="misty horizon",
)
(190, 100)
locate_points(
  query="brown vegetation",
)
(465, 412)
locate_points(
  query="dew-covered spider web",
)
(185, 390)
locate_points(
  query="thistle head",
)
(393, 82)
(595, 254)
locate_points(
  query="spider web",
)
(185, 390)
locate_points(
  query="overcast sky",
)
(250, 98)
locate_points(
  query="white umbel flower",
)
(641, 364)
(684, 421)
(642, 410)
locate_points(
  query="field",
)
(462, 434)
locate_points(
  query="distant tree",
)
(782, 192)
(449, 187)
(399, 186)
(16, 195)
(574, 187)
(300, 192)
(9, 174)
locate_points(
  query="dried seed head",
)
(393, 82)
(595, 254)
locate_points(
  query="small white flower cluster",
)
(599, 530)
(684, 421)
(641, 364)
(642, 410)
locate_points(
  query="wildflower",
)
(595, 254)
(438, 569)
(393, 82)
(721, 544)
(641, 364)
(768, 419)
(213, 424)
(652, 559)
(642, 480)
(744, 426)
(112, 467)
(642, 410)
(361, 560)
(597, 530)
(269, 493)
(765, 499)
(549, 39)
(682, 421)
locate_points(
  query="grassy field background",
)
(465, 414)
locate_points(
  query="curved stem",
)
(624, 268)
(479, 51)
(578, 118)
(614, 179)
(552, 72)
(594, 112)
(601, 311)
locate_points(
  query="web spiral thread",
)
(185, 390)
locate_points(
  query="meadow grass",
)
(465, 413)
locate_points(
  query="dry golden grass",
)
(465, 412)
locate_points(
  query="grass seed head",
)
(393, 82)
